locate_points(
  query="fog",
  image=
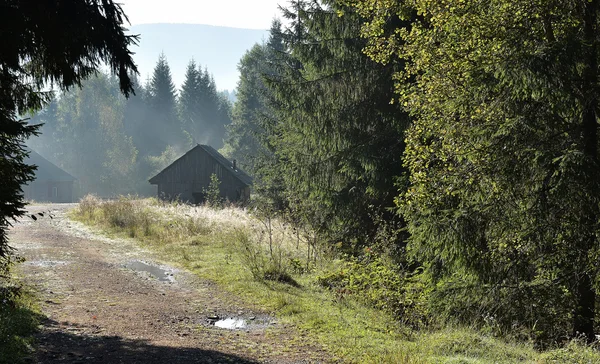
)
(113, 145)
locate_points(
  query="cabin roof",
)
(238, 173)
(46, 170)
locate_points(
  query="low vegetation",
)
(359, 308)
(19, 318)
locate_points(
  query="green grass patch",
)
(19, 319)
(237, 252)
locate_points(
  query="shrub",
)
(376, 283)
(529, 311)
(88, 205)
(262, 262)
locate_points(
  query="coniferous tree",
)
(212, 130)
(136, 115)
(204, 113)
(189, 100)
(39, 47)
(337, 138)
(245, 132)
(253, 117)
(87, 137)
(163, 125)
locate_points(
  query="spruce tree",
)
(244, 134)
(250, 134)
(163, 122)
(336, 135)
(40, 48)
(189, 101)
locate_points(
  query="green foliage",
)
(114, 145)
(379, 284)
(213, 192)
(337, 140)
(502, 155)
(162, 126)
(39, 49)
(19, 319)
(345, 328)
(253, 115)
(203, 112)
(86, 136)
(155, 164)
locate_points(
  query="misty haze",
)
(183, 97)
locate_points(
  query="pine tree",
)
(189, 100)
(163, 123)
(39, 48)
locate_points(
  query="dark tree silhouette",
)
(57, 43)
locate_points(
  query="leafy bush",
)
(521, 311)
(375, 282)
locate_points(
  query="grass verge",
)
(19, 319)
(233, 249)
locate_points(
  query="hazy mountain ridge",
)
(214, 47)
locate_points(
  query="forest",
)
(447, 150)
(114, 144)
(456, 140)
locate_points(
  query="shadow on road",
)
(56, 344)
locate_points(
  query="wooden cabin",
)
(51, 184)
(188, 177)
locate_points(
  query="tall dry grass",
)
(267, 246)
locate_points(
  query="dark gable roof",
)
(238, 173)
(46, 170)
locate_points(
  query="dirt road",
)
(103, 307)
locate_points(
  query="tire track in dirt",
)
(99, 312)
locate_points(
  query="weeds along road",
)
(99, 311)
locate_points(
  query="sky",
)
(251, 14)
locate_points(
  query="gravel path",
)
(100, 310)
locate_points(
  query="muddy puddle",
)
(163, 275)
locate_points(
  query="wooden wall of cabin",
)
(49, 191)
(187, 179)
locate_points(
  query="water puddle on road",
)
(45, 263)
(231, 323)
(241, 323)
(162, 275)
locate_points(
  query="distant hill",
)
(217, 48)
